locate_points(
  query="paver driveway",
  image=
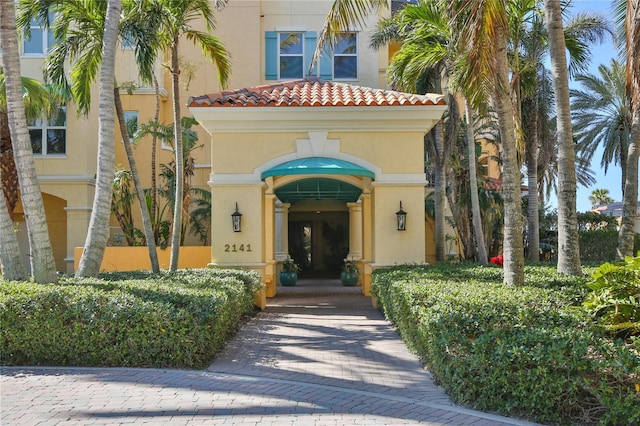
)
(318, 355)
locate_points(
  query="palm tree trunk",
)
(473, 183)
(568, 240)
(43, 267)
(10, 185)
(10, 261)
(630, 193)
(630, 198)
(532, 153)
(440, 191)
(98, 232)
(137, 184)
(179, 158)
(512, 244)
(154, 154)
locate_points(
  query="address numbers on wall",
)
(237, 248)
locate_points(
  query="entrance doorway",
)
(319, 242)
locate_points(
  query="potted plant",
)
(289, 272)
(350, 273)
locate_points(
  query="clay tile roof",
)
(311, 92)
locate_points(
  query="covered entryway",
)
(318, 217)
(316, 170)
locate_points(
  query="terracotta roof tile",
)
(311, 93)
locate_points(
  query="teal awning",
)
(317, 166)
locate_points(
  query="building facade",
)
(318, 178)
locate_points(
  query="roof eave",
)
(411, 118)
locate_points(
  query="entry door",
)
(320, 244)
(301, 243)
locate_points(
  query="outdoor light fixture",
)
(401, 216)
(236, 218)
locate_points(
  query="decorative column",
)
(355, 231)
(367, 242)
(268, 238)
(282, 230)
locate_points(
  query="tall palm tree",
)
(178, 18)
(482, 30)
(98, 232)
(568, 240)
(43, 266)
(628, 14)
(75, 21)
(602, 117)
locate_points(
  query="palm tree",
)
(98, 232)
(602, 117)
(628, 18)
(600, 197)
(177, 19)
(43, 266)
(568, 240)
(86, 54)
(482, 30)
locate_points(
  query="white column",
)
(355, 231)
(282, 230)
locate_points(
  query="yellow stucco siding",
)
(242, 153)
(390, 245)
(394, 152)
(245, 247)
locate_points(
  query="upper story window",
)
(41, 39)
(49, 135)
(290, 55)
(345, 57)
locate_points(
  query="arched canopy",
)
(317, 166)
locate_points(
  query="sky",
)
(601, 54)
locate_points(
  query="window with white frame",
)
(290, 55)
(41, 39)
(49, 135)
(345, 57)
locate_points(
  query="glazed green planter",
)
(348, 279)
(288, 279)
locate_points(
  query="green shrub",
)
(177, 320)
(615, 299)
(526, 351)
(600, 245)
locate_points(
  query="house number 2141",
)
(234, 248)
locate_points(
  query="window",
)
(49, 135)
(290, 55)
(345, 57)
(41, 39)
(131, 121)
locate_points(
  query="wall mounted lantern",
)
(236, 218)
(401, 216)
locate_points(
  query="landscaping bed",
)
(131, 319)
(532, 351)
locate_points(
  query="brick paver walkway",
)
(318, 355)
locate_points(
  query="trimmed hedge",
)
(527, 351)
(133, 319)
